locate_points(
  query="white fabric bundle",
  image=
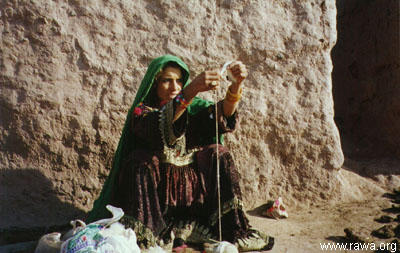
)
(102, 236)
(221, 247)
(49, 243)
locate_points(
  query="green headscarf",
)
(125, 144)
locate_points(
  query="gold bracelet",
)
(233, 98)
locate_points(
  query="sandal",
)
(255, 242)
(200, 234)
(182, 230)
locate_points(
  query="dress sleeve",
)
(201, 127)
(153, 129)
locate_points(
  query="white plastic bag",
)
(96, 237)
(49, 243)
(120, 239)
(220, 247)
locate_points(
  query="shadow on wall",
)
(373, 168)
(365, 78)
(30, 206)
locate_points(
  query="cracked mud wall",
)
(69, 72)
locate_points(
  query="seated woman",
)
(164, 172)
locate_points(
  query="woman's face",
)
(169, 84)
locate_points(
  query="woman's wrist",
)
(231, 101)
(233, 97)
(235, 89)
(182, 101)
(189, 92)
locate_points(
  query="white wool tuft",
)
(114, 229)
(156, 249)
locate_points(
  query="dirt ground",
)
(369, 184)
(306, 228)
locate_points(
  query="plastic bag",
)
(220, 247)
(96, 237)
(276, 209)
(87, 239)
(49, 243)
(121, 239)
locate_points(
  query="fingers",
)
(238, 70)
(213, 75)
(213, 85)
(212, 79)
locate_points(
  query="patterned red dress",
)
(171, 175)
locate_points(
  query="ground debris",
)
(393, 209)
(385, 232)
(384, 219)
(396, 191)
(359, 237)
(396, 199)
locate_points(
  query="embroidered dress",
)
(164, 172)
(170, 177)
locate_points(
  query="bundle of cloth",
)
(106, 235)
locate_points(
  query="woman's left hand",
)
(239, 72)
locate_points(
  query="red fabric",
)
(153, 192)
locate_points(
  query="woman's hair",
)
(152, 99)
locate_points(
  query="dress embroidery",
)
(174, 150)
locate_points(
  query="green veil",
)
(125, 144)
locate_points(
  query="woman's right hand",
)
(205, 81)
